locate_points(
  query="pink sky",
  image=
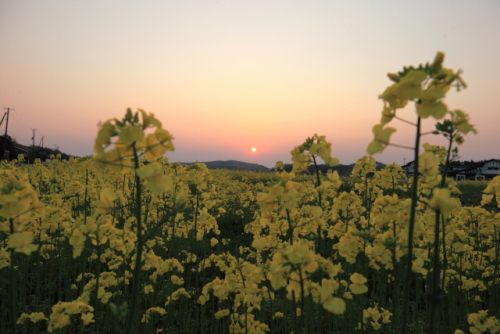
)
(226, 76)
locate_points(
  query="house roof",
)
(467, 165)
(479, 165)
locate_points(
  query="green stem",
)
(13, 291)
(318, 179)
(85, 200)
(445, 257)
(302, 300)
(318, 183)
(294, 312)
(435, 294)
(290, 229)
(196, 215)
(411, 228)
(137, 268)
(246, 306)
(98, 273)
(404, 120)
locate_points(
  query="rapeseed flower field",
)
(127, 242)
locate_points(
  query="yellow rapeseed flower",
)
(430, 105)
(358, 286)
(408, 87)
(221, 313)
(87, 318)
(33, 317)
(22, 242)
(130, 134)
(335, 305)
(442, 201)
(381, 139)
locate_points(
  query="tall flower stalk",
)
(425, 85)
(452, 129)
(131, 144)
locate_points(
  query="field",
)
(126, 242)
(236, 252)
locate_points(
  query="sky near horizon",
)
(226, 76)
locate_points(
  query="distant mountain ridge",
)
(232, 165)
(343, 170)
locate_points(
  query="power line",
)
(21, 141)
(18, 116)
(22, 122)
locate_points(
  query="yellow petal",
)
(130, 135)
(335, 305)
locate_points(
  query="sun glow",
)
(254, 149)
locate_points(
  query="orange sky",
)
(227, 76)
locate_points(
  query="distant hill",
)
(232, 165)
(343, 170)
(13, 149)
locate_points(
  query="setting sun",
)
(254, 149)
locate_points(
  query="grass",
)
(472, 192)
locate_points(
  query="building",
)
(465, 170)
(483, 170)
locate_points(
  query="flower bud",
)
(393, 77)
(438, 60)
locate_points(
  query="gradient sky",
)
(226, 76)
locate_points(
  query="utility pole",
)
(33, 151)
(5, 136)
